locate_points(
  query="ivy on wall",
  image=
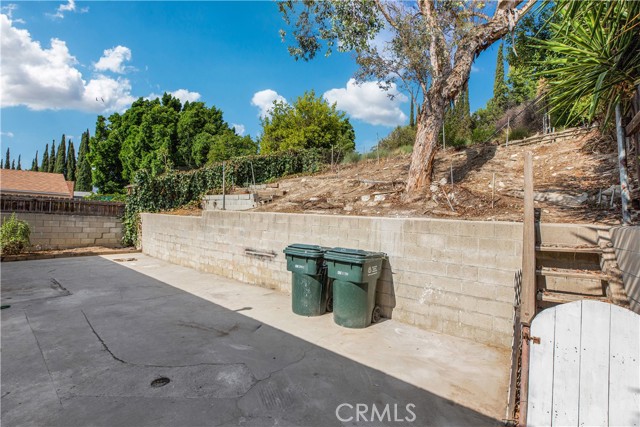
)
(174, 189)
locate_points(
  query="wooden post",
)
(507, 143)
(224, 181)
(528, 295)
(622, 164)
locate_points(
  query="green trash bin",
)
(355, 276)
(310, 287)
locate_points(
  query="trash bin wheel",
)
(329, 304)
(376, 315)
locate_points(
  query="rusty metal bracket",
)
(526, 336)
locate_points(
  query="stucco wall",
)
(449, 276)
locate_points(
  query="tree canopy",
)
(309, 123)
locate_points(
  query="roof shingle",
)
(30, 183)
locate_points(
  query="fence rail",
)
(60, 206)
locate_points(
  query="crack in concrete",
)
(145, 365)
(53, 384)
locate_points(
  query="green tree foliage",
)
(13, 164)
(7, 160)
(525, 60)
(34, 164)
(19, 166)
(104, 149)
(61, 157)
(197, 126)
(500, 91)
(52, 157)
(83, 169)
(44, 167)
(14, 235)
(71, 163)
(228, 144)
(309, 123)
(596, 62)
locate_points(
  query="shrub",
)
(14, 236)
(352, 157)
(518, 133)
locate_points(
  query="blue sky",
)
(59, 57)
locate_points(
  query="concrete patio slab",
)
(85, 338)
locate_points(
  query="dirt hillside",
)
(574, 179)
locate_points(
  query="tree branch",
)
(386, 14)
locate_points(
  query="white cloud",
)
(70, 6)
(239, 128)
(7, 134)
(9, 9)
(475, 69)
(182, 94)
(113, 59)
(44, 79)
(369, 103)
(264, 101)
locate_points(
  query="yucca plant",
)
(597, 61)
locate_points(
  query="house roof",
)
(30, 183)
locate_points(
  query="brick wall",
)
(52, 231)
(449, 276)
(626, 243)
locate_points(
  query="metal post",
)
(622, 164)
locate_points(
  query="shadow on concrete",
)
(128, 350)
(386, 294)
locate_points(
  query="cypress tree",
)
(52, 157)
(44, 167)
(61, 157)
(19, 167)
(7, 160)
(13, 164)
(412, 121)
(499, 85)
(71, 163)
(83, 172)
(34, 164)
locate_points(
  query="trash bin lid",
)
(352, 255)
(301, 249)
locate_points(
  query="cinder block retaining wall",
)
(454, 277)
(626, 243)
(53, 231)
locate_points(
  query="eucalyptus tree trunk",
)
(429, 124)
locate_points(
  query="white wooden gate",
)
(585, 369)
